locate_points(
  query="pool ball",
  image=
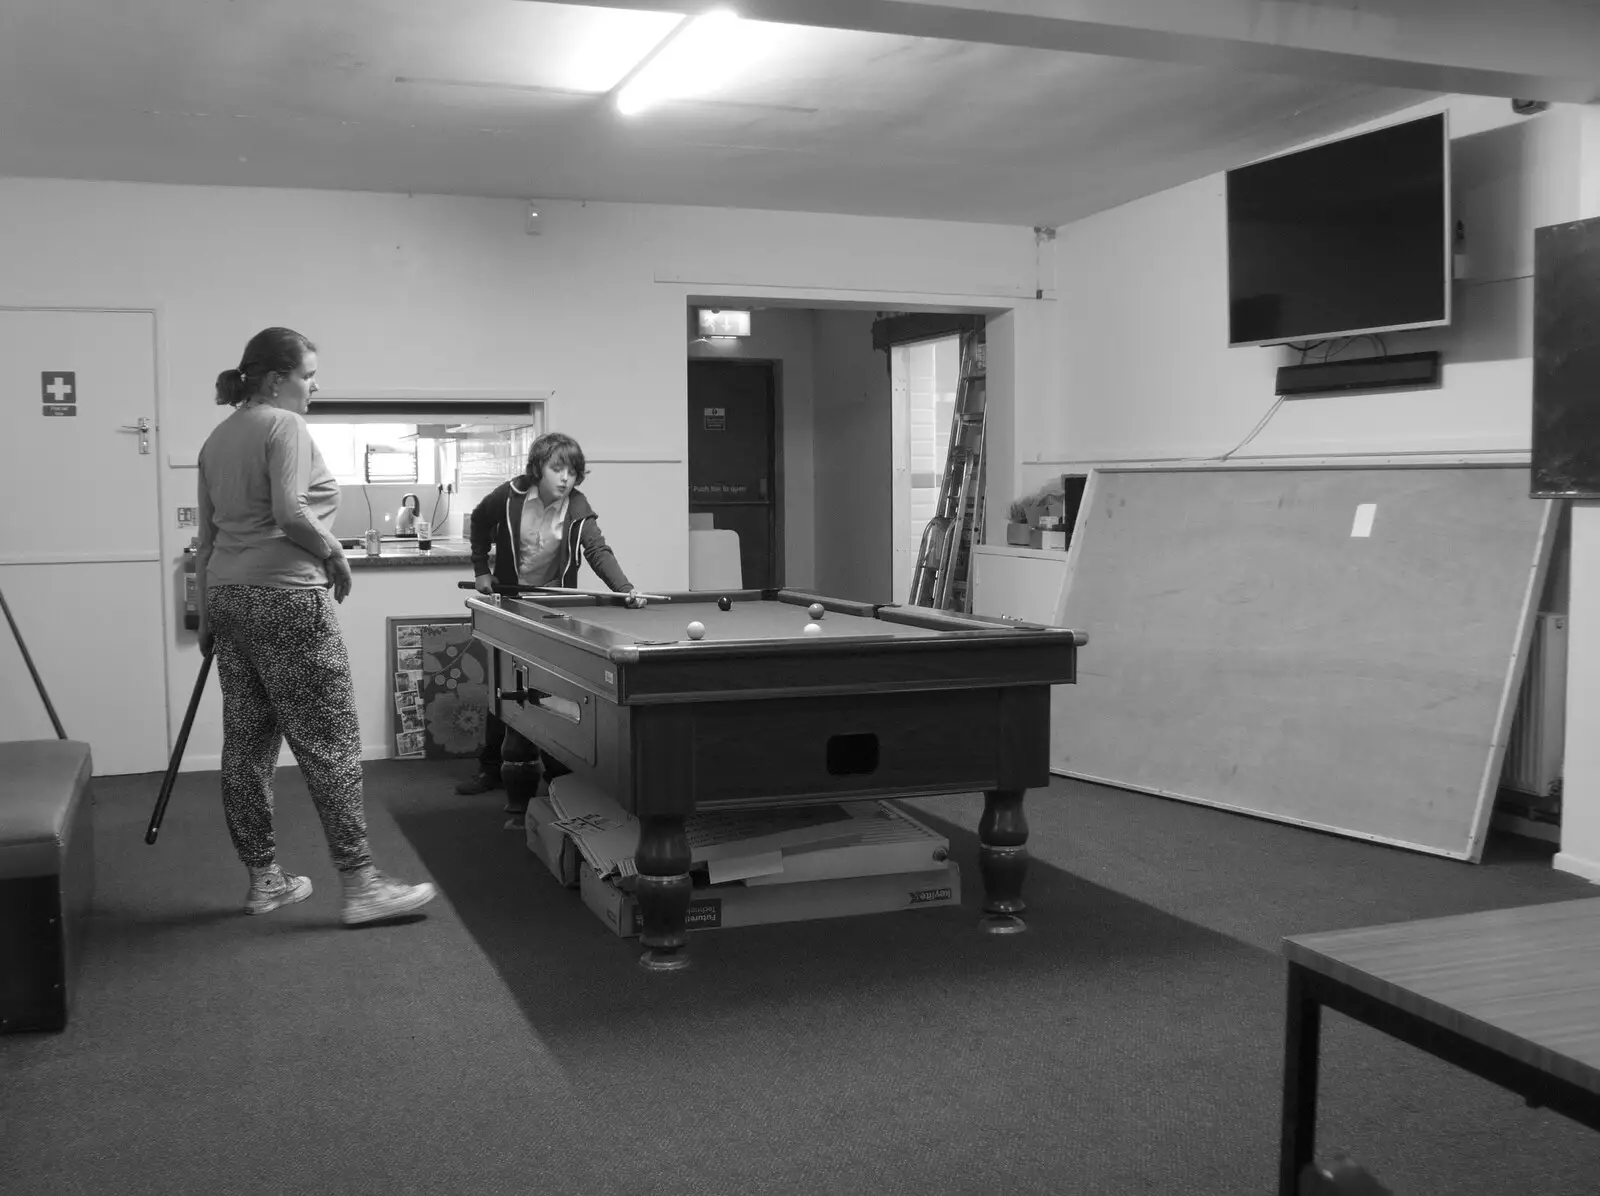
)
(813, 629)
(696, 630)
(724, 604)
(815, 610)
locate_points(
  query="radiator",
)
(1538, 732)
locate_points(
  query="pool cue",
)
(28, 660)
(177, 751)
(521, 589)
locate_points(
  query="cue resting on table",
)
(500, 588)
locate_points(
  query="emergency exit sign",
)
(59, 389)
(715, 322)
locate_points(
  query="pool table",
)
(880, 701)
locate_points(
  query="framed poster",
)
(1566, 360)
(440, 681)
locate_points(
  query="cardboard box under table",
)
(766, 845)
(713, 907)
(750, 866)
(550, 843)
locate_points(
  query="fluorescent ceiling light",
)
(695, 57)
(604, 46)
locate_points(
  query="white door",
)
(80, 534)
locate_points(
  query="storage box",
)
(1055, 538)
(550, 843)
(717, 907)
(736, 844)
(878, 840)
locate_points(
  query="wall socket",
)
(188, 516)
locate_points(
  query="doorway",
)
(835, 520)
(924, 376)
(733, 458)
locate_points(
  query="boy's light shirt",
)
(539, 539)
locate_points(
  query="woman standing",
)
(270, 573)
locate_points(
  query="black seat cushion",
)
(41, 783)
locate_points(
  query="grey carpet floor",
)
(1130, 1042)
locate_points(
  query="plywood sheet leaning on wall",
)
(1334, 647)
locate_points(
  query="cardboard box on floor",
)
(714, 907)
(877, 841)
(763, 846)
(550, 843)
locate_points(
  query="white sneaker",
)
(370, 896)
(272, 888)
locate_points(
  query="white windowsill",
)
(1052, 554)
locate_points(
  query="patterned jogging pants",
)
(285, 674)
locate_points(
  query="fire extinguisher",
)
(191, 587)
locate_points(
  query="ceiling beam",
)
(1534, 49)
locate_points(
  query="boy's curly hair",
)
(559, 448)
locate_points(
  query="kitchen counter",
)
(395, 554)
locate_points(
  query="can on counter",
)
(372, 542)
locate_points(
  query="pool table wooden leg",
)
(1003, 860)
(663, 889)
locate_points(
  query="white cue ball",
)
(813, 629)
(696, 630)
(816, 610)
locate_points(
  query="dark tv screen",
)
(1347, 237)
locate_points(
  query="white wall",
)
(1025, 360)
(1144, 372)
(432, 292)
(787, 336)
(1580, 814)
(854, 463)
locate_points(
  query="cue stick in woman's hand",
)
(177, 751)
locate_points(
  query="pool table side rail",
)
(573, 660)
(955, 628)
(877, 667)
(889, 612)
(841, 606)
(641, 674)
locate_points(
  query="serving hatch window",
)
(450, 454)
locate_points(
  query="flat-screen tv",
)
(1347, 237)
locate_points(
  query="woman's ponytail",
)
(230, 388)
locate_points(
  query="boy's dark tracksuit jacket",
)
(497, 523)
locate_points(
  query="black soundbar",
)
(1360, 373)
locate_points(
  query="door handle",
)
(143, 428)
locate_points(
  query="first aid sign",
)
(60, 392)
